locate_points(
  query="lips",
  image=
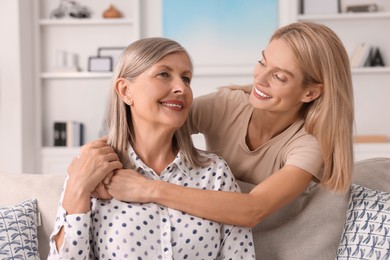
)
(261, 94)
(173, 104)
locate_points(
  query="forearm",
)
(243, 209)
(71, 235)
(74, 202)
(225, 207)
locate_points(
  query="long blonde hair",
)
(137, 58)
(330, 118)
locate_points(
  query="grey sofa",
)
(319, 230)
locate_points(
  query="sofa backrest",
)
(46, 189)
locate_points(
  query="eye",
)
(164, 74)
(279, 77)
(261, 62)
(186, 80)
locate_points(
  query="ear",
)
(312, 93)
(123, 90)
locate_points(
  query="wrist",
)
(76, 200)
(156, 191)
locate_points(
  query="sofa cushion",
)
(367, 227)
(45, 188)
(373, 173)
(18, 231)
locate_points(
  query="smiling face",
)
(161, 96)
(278, 80)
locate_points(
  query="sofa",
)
(342, 226)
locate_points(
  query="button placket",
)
(166, 237)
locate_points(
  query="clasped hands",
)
(98, 172)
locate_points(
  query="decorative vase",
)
(112, 12)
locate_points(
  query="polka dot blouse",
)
(114, 229)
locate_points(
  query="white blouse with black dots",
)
(119, 230)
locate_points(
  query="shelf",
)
(76, 75)
(345, 16)
(371, 70)
(60, 150)
(87, 21)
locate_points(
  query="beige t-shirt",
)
(310, 226)
(223, 117)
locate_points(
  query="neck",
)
(263, 126)
(155, 147)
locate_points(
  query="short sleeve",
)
(306, 154)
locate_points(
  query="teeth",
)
(261, 94)
(172, 105)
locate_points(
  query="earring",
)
(129, 102)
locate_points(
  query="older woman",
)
(150, 101)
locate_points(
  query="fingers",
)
(100, 192)
(107, 179)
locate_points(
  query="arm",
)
(235, 208)
(97, 160)
(226, 207)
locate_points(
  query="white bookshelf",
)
(371, 84)
(82, 96)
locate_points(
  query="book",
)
(59, 134)
(361, 55)
(69, 133)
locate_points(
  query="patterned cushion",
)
(367, 228)
(18, 231)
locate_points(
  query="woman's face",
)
(162, 95)
(277, 80)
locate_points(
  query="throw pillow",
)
(18, 231)
(367, 228)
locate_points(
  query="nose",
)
(179, 86)
(261, 76)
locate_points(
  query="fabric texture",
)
(121, 230)
(18, 231)
(367, 228)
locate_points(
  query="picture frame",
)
(113, 52)
(100, 64)
(310, 7)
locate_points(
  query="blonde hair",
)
(330, 118)
(136, 59)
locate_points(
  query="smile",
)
(172, 105)
(261, 94)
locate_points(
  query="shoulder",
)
(218, 173)
(304, 151)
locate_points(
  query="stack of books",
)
(69, 133)
(366, 55)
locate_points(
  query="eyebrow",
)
(170, 68)
(278, 68)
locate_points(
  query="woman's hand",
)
(130, 186)
(96, 162)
